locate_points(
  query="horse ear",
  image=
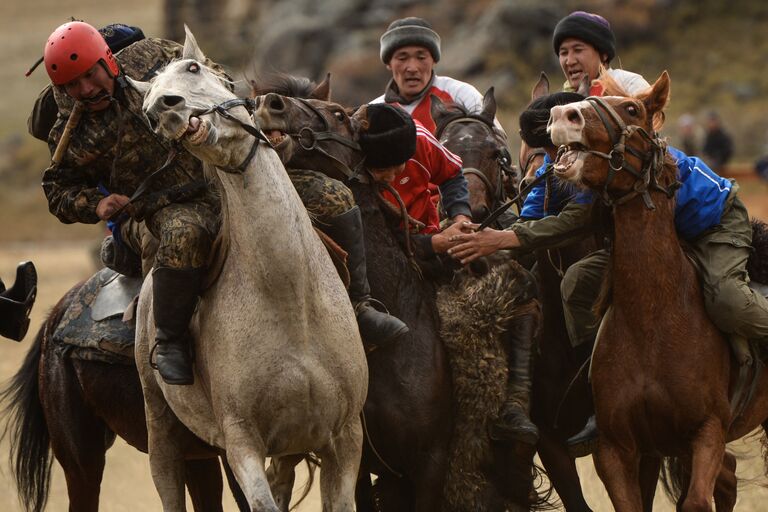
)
(489, 106)
(584, 86)
(657, 97)
(541, 88)
(437, 107)
(323, 90)
(359, 120)
(191, 50)
(140, 86)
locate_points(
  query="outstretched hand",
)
(471, 244)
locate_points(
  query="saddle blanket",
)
(92, 327)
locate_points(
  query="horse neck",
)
(648, 264)
(263, 217)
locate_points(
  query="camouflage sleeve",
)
(71, 195)
(555, 230)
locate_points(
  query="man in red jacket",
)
(403, 153)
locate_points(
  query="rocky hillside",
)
(715, 51)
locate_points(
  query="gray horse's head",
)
(176, 103)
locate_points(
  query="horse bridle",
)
(222, 109)
(495, 191)
(651, 161)
(310, 140)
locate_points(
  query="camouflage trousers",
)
(720, 254)
(179, 235)
(323, 197)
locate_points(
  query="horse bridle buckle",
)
(616, 159)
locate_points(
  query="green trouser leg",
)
(580, 288)
(721, 255)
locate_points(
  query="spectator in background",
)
(686, 131)
(718, 145)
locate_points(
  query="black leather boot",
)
(583, 443)
(377, 328)
(16, 302)
(174, 293)
(513, 423)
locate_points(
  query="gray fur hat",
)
(409, 32)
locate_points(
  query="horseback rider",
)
(410, 49)
(111, 154)
(45, 111)
(402, 152)
(585, 46)
(709, 217)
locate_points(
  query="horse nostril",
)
(573, 116)
(275, 103)
(172, 101)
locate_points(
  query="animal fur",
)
(474, 313)
(757, 265)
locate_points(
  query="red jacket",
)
(432, 163)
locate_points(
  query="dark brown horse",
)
(408, 413)
(483, 150)
(661, 370)
(74, 408)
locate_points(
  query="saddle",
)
(99, 323)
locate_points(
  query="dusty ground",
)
(127, 483)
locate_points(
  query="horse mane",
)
(284, 85)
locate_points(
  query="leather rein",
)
(652, 161)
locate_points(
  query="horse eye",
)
(632, 110)
(193, 67)
(339, 115)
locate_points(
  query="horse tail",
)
(312, 463)
(675, 475)
(542, 498)
(30, 456)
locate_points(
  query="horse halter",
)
(503, 161)
(651, 161)
(310, 140)
(222, 109)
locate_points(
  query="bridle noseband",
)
(222, 109)
(652, 161)
(310, 140)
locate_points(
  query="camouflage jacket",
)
(115, 147)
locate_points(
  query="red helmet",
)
(72, 49)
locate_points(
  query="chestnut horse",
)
(661, 370)
(75, 408)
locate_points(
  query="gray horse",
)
(279, 362)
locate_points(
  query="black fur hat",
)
(534, 119)
(390, 138)
(590, 28)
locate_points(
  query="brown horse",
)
(409, 409)
(661, 370)
(75, 408)
(483, 150)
